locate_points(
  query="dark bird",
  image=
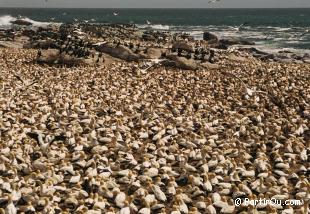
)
(179, 52)
(18, 77)
(39, 53)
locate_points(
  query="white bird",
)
(148, 22)
(125, 210)
(115, 13)
(120, 199)
(75, 179)
(159, 193)
(10, 208)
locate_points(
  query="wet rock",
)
(235, 41)
(285, 51)
(21, 22)
(210, 37)
(254, 50)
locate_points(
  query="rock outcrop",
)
(184, 46)
(225, 43)
(183, 63)
(154, 53)
(120, 52)
(53, 56)
(210, 37)
(8, 44)
(21, 22)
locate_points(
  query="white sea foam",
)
(155, 27)
(6, 20)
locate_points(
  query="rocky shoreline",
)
(109, 119)
(82, 43)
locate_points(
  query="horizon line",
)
(156, 8)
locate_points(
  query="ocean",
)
(271, 29)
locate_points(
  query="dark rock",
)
(254, 50)
(28, 33)
(285, 51)
(43, 44)
(183, 46)
(169, 63)
(148, 37)
(306, 55)
(264, 57)
(283, 60)
(235, 41)
(21, 22)
(297, 57)
(210, 37)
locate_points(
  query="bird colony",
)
(115, 140)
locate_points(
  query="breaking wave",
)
(155, 27)
(7, 20)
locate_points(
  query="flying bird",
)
(115, 14)
(148, 22)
